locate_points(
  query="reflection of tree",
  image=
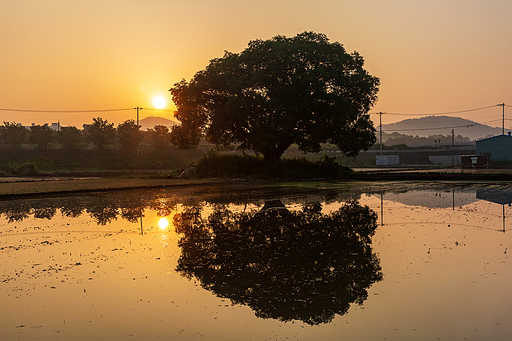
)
(302, 265)
(163, 205)
(132, 206)
(16, 212)
(45, 212)
(72, 207)
(103, 210)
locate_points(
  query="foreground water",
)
(299, 261)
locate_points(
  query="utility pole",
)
(138, 114)
(138, 109)
(380, 124)
(503, 119)
(453, 149)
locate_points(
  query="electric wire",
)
(375, 113)
(439, 113)
(65, 111)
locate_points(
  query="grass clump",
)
(26, 169)
(253, 167)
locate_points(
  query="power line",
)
(65, 111)
(442, 113)
(153, 109)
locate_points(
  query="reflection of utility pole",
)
(381, 209)
(141, 230)
(503, 218)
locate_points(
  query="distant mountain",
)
(151, 121)
(441, 125)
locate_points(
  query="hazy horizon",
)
(431, 57)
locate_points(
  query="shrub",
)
(247, 166)
(26, 169)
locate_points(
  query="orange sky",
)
(431, 56)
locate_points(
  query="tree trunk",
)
(271, 156)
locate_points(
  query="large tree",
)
(69, 137)
(129, 135)
(41, 135)
(101, 133)
(160, 137)
(305, 90)
(13, 134)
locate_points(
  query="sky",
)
(432, 57)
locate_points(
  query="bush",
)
(248, 166)
(26, 169)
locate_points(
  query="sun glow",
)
(163, 223)
(159, 102)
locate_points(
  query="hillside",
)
(441, 125)
(151, 121)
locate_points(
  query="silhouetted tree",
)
(185, 136)
(69, 137)
(160, 137)
(302, 265)
(304, 90)
(13, 134)
(41, 135)
(101, 133)
(129, 135)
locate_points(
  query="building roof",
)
(496, 137)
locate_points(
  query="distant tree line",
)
(100, 134)
(435, 141)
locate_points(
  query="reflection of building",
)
(502, 196)
(499, 148)
(434, 198)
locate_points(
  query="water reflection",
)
(309, 255)
(287, 265)
(129, 205)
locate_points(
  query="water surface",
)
(357, 261)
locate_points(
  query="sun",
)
(159, 102)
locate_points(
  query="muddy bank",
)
(430, 176)
(36, 187)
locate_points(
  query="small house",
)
(387, 160)
(498, 148)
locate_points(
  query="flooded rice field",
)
(320, 261)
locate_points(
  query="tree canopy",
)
(13, 133)
(101, 132)
(129, 135)
(41, 135)
(69, 137)
(160, 136)
(304, 90)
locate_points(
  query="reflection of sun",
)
(163, 223)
